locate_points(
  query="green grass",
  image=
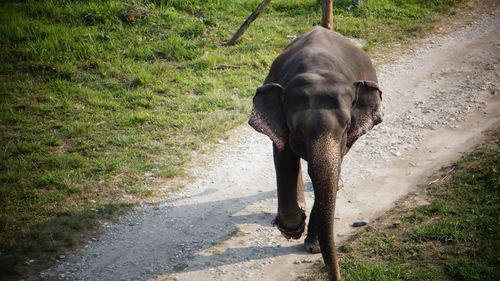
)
(454, 237)
(95, 94)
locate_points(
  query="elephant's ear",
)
(366, 111)
(366, 87)
(267, 115)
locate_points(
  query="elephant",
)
(320, 95)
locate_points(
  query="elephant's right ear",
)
(268, 116)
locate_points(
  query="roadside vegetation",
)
(455, 235)
(102, 101)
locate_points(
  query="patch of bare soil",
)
(438, 99)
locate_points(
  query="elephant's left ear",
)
(268, 116)
(366, 111)
(366, 86)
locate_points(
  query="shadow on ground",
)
(165, 237)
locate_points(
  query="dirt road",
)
(438, 99)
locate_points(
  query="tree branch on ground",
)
(247, 23)
(326, 19)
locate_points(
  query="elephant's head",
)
(313, 106)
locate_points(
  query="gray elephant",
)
(319, 97)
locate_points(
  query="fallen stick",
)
(443, 178)
(225, 66)
(247, 23)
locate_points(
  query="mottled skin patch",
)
(319, 97)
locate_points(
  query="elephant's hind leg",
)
(291, 203)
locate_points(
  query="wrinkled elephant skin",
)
(319, 97)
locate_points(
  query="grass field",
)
(454, 236)
(101, 101)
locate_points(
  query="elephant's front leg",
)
(311, 242)
(291, 204)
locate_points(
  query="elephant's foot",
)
(312, 246)
(288, 233)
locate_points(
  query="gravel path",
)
(437, 101)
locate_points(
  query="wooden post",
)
(247, 23)
(327, 18)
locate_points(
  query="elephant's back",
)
(323, 48)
